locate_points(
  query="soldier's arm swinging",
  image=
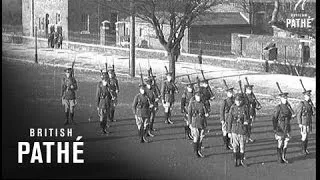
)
(134, 104)
(63, 88)
(222, 110)
(190, 112)
(98, 95)
(275, 117)
(299, 113)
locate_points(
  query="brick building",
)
(78, 18)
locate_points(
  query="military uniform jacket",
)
(236, 118)
(305, 112)
(103, 96)
(196, 114)
(225, 108)
(113, 85)
(185, 99)
(205, 92)
(151, 95)
(67, 92)
(141, 105)
(252, 104)
(167, 91)
(281, 119)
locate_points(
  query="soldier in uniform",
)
(68, 95)
(281, 126)
(224, 112)
(156, 102)
(151, 93)
(103, 98)
(185, 100)
(237, 120)
(167, 92)
(305, 112)
(197, 114)
(141, 109)
(114, 90)
(252, 105)
(206, 94)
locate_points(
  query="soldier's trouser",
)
(69, 105)
(103, 116)
(238, 142)
(113, 105)
(152, 116)
(224, 128)
(304, 131)
(249, 126)
(282, 140)
(198, 134)
(142, 122)
(167, 109)
(207, 105)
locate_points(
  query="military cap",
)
(239, 97)
(190, 85)
(169, 73)
(197, 92)
(110, 70)
(148, 80)
(68, 70)
(142, 85)
(248, 86)
(205, 81)
(284, 94)
(229, 89)
(307, 92)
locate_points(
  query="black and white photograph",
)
(159, 89)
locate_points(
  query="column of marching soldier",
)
(237, 111)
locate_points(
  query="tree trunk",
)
(172, 63)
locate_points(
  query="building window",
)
(85, 23)
(113, 20)
(57, 18)
(140, 32)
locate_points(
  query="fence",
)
(92, 38)
(211, 48)
(10, 29)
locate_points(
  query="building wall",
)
(12, 12)
(53, 8)
(216, 33)
(288, 48)
(145, 32)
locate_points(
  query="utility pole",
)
(132, 40)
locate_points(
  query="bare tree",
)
(274, 17)
(177, 14)
(248, 7)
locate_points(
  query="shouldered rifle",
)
(154, 81)
(189, 79)
(174, 85)
(141, 76)
(288, 104)
(211, 93)
(254, 96)
(240, 87)
(225, 83)
(72, 67)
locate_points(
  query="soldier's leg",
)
(235, 147)
(279, 148)
(169, 113)
(201, 136)
(242, 148)
(166, 113)
(138, 123)
(72, 107)
(303, 138)
(152, 116)
(148, 128)
(66, 110)
(284, 150)
(306, 141)
(195, 134)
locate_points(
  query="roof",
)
(221, 18)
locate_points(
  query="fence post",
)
(285, 54)
(36, 46)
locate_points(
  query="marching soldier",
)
(224, 112)
(167, 92)
(185, 101)
(114, 90)
(197, 114)
(281, 126)
(141, 109)
(305, 112)
(103, 97)
(156, 91)
(151, 93)
(252, 105)
(69, 87)
(237, 120)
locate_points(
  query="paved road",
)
(31, 99)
